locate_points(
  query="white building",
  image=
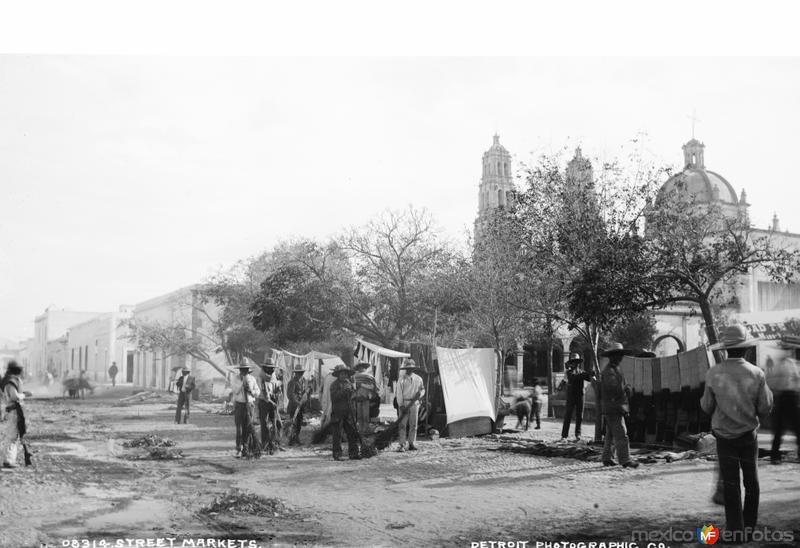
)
(155, 367)
(50, 326)
(95, 343)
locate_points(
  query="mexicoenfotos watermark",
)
(709, 534)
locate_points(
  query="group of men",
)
(351, 404)
(736, 394)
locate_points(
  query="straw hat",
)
(733, 336)
(574, 357)
(613, 349)
(409, 364)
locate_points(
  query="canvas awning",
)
(379, 350)
(468, 380)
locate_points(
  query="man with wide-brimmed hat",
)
(342, 391)
(614, 406)
(245, 393)
(783, 378)
(185, 385)
(367, 392)
(736, 393)
(575, 379)
(408, 391)
(298, 392)
(268, 415)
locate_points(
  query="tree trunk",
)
(711, 327)
(498, 389)
(595, 384)
(550, 386)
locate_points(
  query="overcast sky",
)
(123, 178)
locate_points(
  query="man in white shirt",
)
(408, 392)
(245, 393)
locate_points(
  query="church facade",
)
(758, 302)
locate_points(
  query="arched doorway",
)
(668, 345)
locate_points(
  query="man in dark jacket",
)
(614, 394)
(342, 391)
(185, 385)
(576, 376)
(298, 392)
(367, 392)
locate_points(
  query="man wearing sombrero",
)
(245, 393)
(342, 413)
(614, 394)
(576, 376)
(268, 415)
(736, 394)
(409, 390)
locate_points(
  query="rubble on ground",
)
(149, 440)
(238, 502)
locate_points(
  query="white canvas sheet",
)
(468, 377)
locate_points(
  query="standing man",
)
(268, 408)
(342, 391)
(576, 376)
(409, 391)
(366, 390)
(11, 397)
(298, 392)
(112, 372)
(185, 385)
(736, 393)
(245, 393)
(614, 394)
(784, 381)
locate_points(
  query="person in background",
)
(342, 391)
(784, 381)
(245, 393)
(268, 415)
(536, 396)
(614, 406)
(11, 398)
(575, 378)
(298, 392)
(736, 393)
(112, 372)
(185, 385)
(409, 390)
(366, 391)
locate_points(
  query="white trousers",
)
(411, 419)
(9, 442)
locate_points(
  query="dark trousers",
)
(785, 416)
(294, 423)
(183, 401)
(734, 454)
(574, 405)
(245, 435)
(268, 417)
(537, 413)
(344, 423)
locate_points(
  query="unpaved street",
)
(450, 493)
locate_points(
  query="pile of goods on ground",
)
(238, 502)
(152, 447)
(592, 451)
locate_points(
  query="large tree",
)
(701, 249)
(583, 259)
(384, 280)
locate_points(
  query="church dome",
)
(703, 185)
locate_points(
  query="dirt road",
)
(83, 491)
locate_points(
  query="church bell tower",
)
(497, 184)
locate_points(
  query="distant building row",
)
(67, 342)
